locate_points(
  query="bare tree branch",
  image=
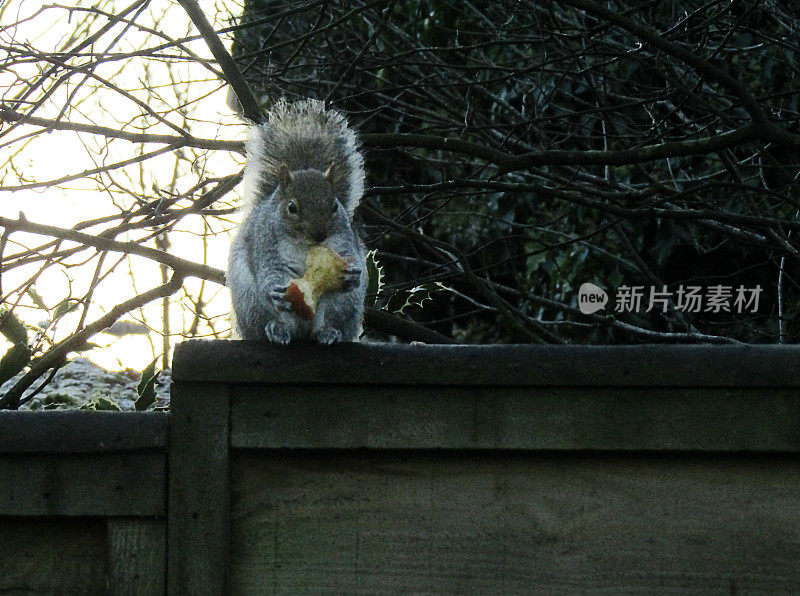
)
(511, 163)
(8, 115)
(182, 267)
(12, 398)
(247, 100)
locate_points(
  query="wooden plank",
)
(503, 523)
(52, 556)
(82, 431)
(342, 417)
(126, 484)
(198, 489)
(497, 365)
(137, 556)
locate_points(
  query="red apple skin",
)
(295, 296)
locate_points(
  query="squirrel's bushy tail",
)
(303, 134)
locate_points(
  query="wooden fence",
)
(437, 469)
(83, 502)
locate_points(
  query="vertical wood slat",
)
(137, 557)
(52, 555)
(197, 540)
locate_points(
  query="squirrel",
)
(303, 179)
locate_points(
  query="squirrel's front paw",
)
(278, 333)
(351, 277)
(280, 298)
(294, 271)
(329, 336)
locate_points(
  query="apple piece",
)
(301, 296)
(324, 273)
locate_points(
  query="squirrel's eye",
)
(292, 208)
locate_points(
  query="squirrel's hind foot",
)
(278, 332)
(329, 336)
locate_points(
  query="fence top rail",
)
(237, 362)
(82, 431)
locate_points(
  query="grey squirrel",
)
(303, 179)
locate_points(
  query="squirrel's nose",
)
(319, 236)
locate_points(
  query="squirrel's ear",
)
(330, 173)
(284, 175)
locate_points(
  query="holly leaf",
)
(416, 296)
(147, 387)
(12, 328)
(65, 306)
(37, 300)
(101, 403)
(374, 279)
(14, 361)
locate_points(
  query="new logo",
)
(591, 298)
